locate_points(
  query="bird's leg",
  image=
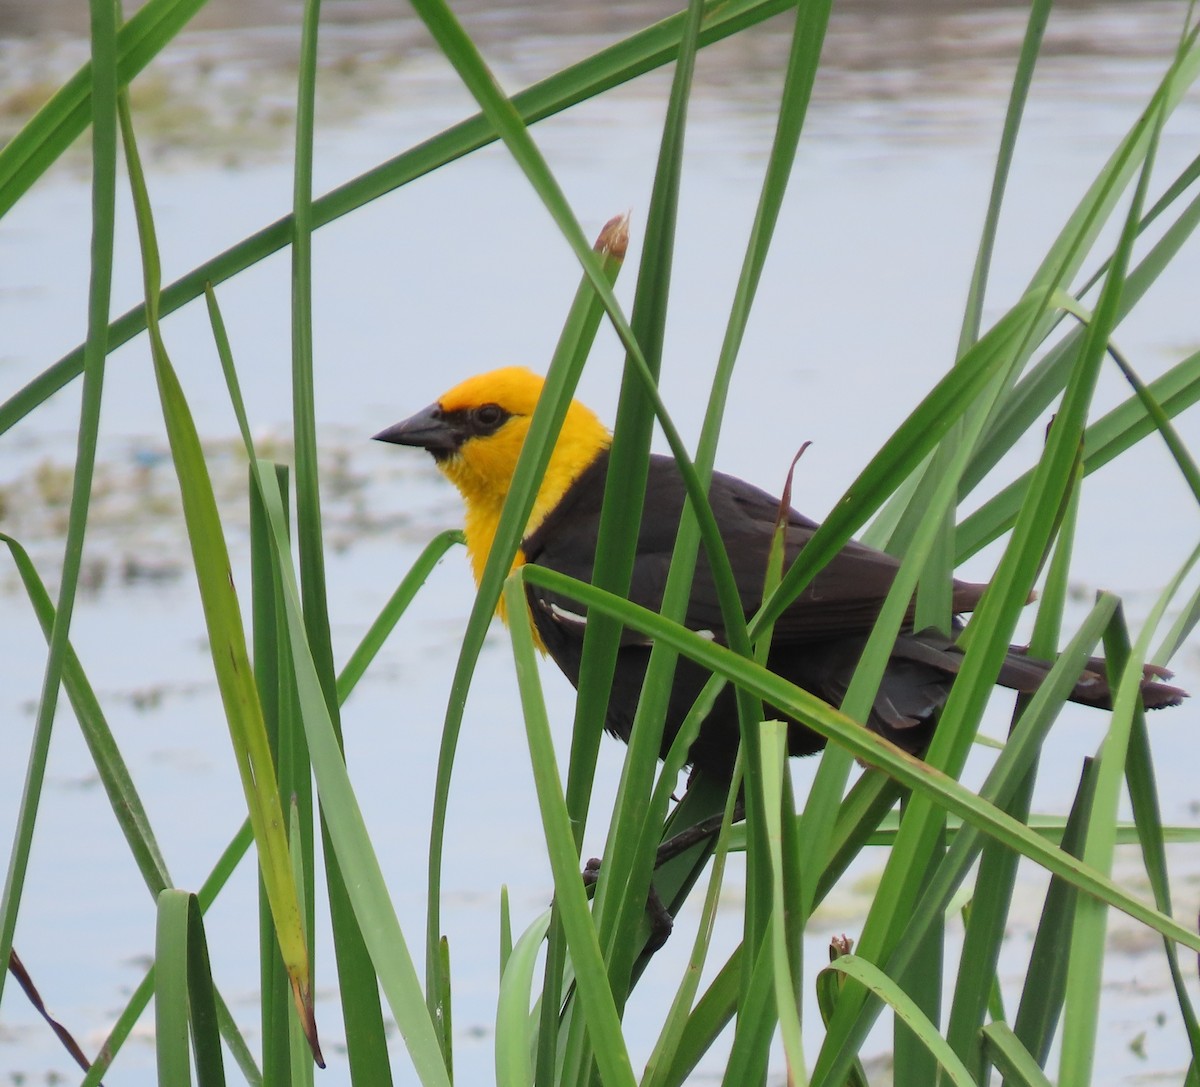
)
(694, 835)
(661, 921)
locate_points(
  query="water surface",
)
(858, 314)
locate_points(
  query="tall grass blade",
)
(595, 996)
(362, 1014)
(276, 691)
(625, 877)
(663, 1065)
(373, 909)
(1080, 1018)
(773, 766)
(300, 1065)
(223, 621)
(562, 377)
(103, 199)
(1042, 996)
(989, 636)
(364, 878)
(1031, 46)
(994, 886)
(1143, 795)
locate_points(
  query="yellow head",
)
(475, 433)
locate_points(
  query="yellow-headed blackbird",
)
(475, 433)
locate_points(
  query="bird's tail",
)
(1021, 672)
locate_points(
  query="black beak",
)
(428, 429)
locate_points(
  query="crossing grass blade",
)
(610, 67)
(397, 604)
(111, 768)
(1104, 440)
(914, 773)
(41, 141)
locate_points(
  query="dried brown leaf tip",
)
(614, 237)
(302, 996)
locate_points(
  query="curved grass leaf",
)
(171, 990)
(870, 976)
(515, 1034)
(184, 1002)
(1012, 1060)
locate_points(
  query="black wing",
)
(843, 599)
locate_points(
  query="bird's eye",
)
(489, 416)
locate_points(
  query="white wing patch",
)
(570, 618)
(575, 621)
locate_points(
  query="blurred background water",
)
(857, 316)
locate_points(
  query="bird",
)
(475, 433)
